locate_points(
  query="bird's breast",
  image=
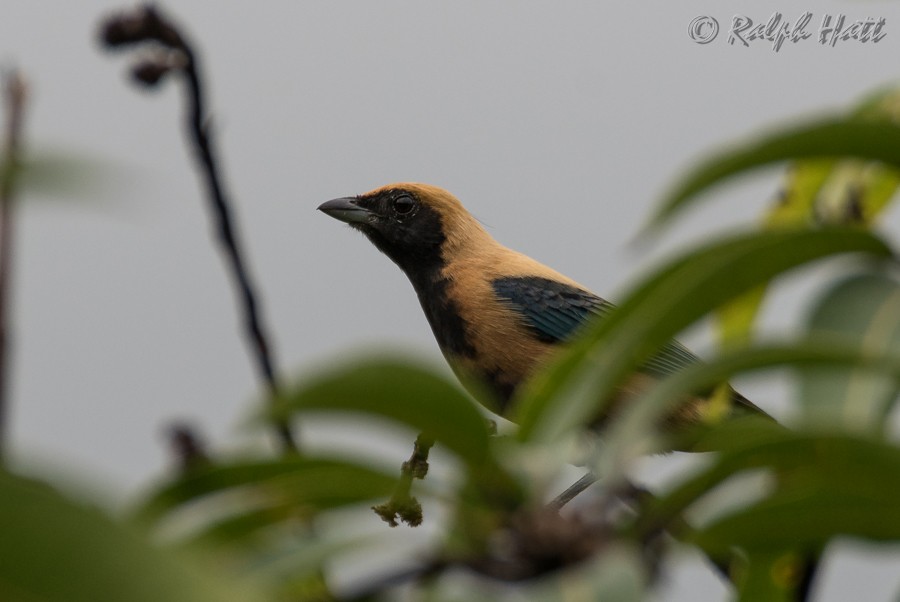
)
(484, 341)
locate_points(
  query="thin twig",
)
(228, 239)
(15, 92)
(403, 504)
(147, 25)
(572, 491)
(187, 447)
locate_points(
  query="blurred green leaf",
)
(54, 549)
(295, 563)
(274, 488)
(794, 208)
(400, 391)
(237, 528)
(828, 485)
(633, 434)
(575, 386)
(840, 191)
(769, 577)
(805, 519)
(817, 191)
(67, 176)
(735, 319)
(869, 139)
(796, 202)
(855, 193)
(861, 311)
(740, 438)
(883, 102)
(616, 573)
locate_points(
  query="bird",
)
(498, 315)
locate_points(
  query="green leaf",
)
(634, 433)
(53, 549)
(69, 176)
(884, 102)
(274, 487)
(741, 438)
(862, 311)
(869, 139)
(804, 519)
(769, 577)
(734, 320)
(294, 563)
(573, 389)
(239, 527)
(855, 192)
(828, 485)
(617, 573)
(840, 191)
(817, 191)
(400, 391)
(796, 202)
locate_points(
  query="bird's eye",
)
(403, 205)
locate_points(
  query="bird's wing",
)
(555, 311)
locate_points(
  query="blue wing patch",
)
(555, 311)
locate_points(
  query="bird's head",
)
(416, 225)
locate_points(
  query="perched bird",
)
(497, 314)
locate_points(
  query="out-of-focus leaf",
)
(296, 563)
(53, 549)
(401, 391)
(67, 176)
(840, 191)
(862, 311)
(793, 208)
(817, 191)
(304, 483)
(769, 577)
(735, 319)
(796, 201)
(235, 529)
(574, 387)
(804, 518)
(740, 438)
(855, 193)
(616, 573)
(634, 433)
(882, 103)
(828, 485)
(868, 139)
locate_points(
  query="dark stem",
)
(147, 26)
(809, 567)
(187, 447)
(572, 492)
(228, 239)
(15, 91)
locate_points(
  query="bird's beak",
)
(345, 209)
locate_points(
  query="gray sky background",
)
(558, 124)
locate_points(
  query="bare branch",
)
(15, 93)
(173, 53)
